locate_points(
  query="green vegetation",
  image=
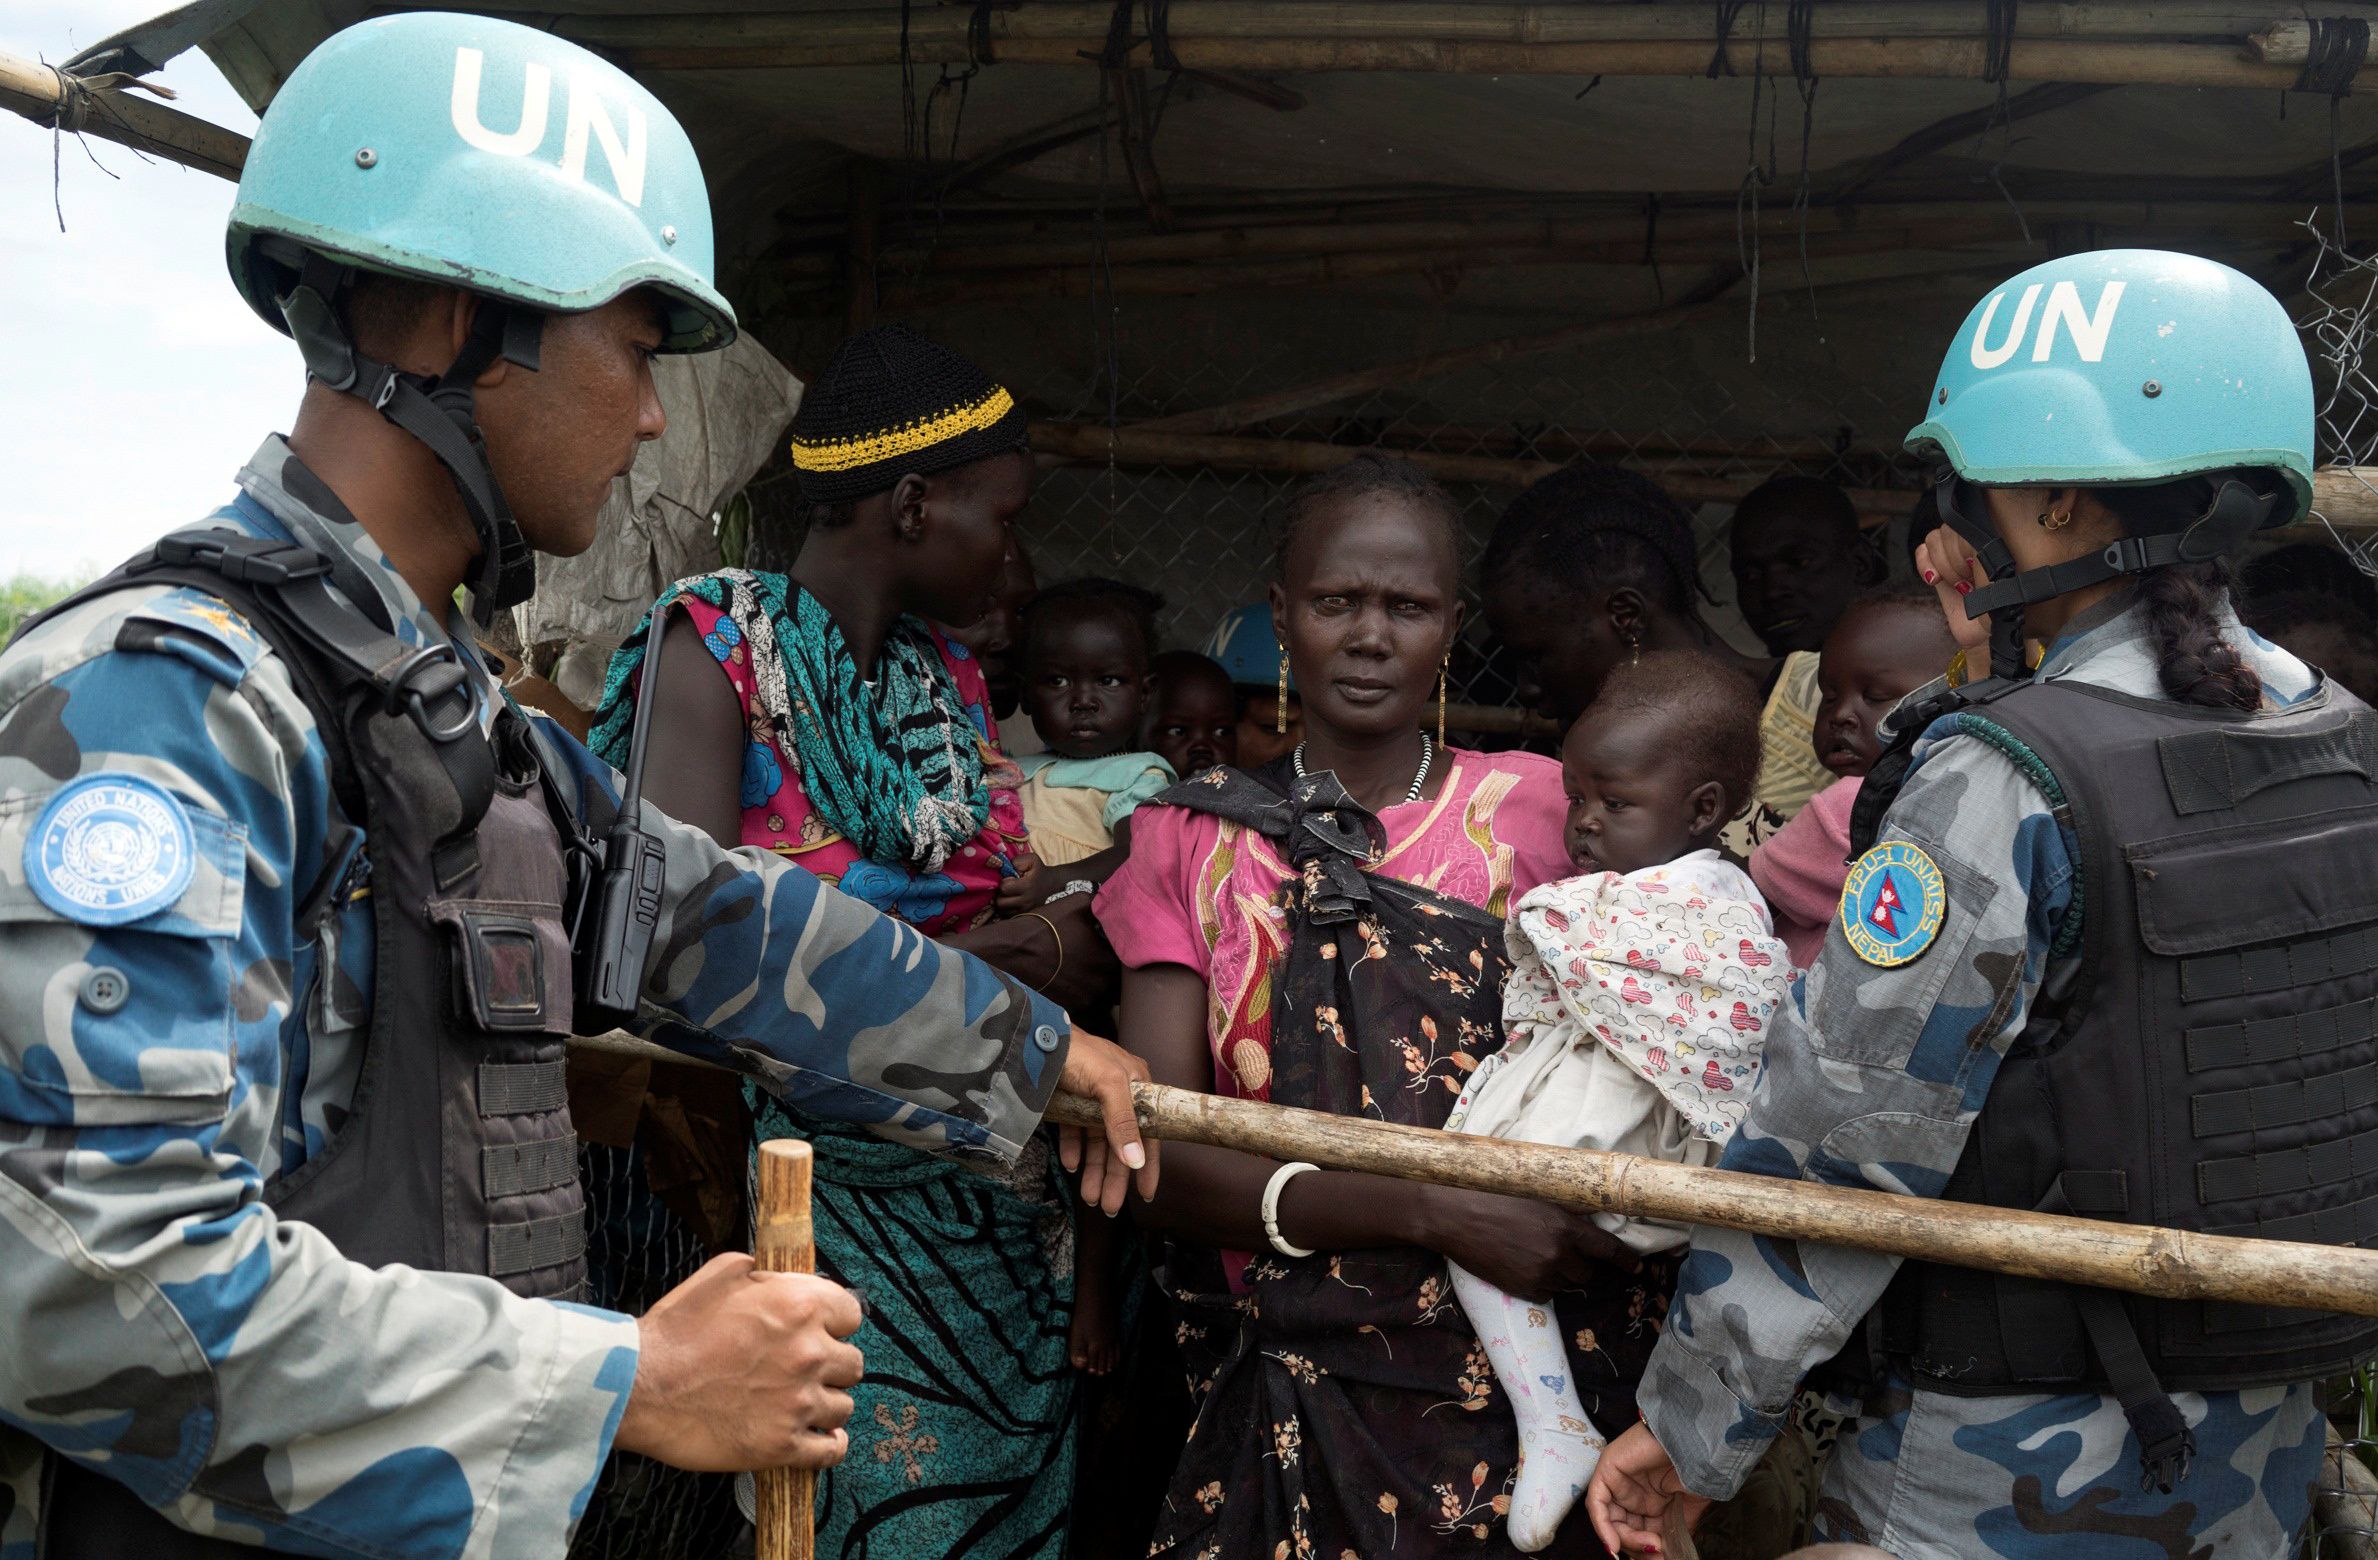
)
(27, 594)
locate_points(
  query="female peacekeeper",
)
(2108, 949)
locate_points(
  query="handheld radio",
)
(615, 940)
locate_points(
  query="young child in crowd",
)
(1088, 646)
(1193, 715)
(1636, 1007)
(1887, 644)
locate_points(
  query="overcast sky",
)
(133, 380)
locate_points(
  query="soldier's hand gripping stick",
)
(786, 1512)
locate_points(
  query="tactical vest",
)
(2214, 1066)
(457, 1154)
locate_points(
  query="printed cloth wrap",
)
(1676, 969)
(1344, 1403)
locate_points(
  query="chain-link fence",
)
(1681, 404)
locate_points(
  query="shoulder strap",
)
(285, 586)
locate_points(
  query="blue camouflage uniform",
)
(164, 1325)
(1872, 1079)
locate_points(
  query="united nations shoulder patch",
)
(1892, 903)
(110, 848)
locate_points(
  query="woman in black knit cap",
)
(820, 714)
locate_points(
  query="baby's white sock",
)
(1558, 1445)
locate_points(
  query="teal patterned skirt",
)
(963, 1438)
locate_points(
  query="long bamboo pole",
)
(1079, 280)
(1448, 240)
(1523, 25)
(2104, 62)
(2140, 1258)
(783, 1241)
(1140, 444)
(2346, 497)
(2172, 1264)
(42, 94)
(1337, 387)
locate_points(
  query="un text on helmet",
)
(2088, 330)
(586, 117)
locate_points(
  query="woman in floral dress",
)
(1327, 932)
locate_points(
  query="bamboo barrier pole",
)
(1500, 719)
(2139, 1258)
(1338, 387)
(2344, 496)
(1623, 232)
(1328, 270)
(2099, 62)
(1523, 25)
(41, 93)
(785, 1499)
(1142, 444)
(2170, 1264)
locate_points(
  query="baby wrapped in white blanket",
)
(1635, 1013)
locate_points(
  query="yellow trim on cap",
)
(867, 449)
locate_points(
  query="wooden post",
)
(787, 1498)
(41, 94)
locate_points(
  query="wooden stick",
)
(2105, 62)
(1338, 387)
(2140, 1258)
(1013, 33)
(786, 1501)
(2173, 1264)
(1144, 444)
(40, 94)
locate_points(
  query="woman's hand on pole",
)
(1947, 563)
(1105, 1071)
(1522, 1247)
(1636, 1501)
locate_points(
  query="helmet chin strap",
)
(437, 411)
(2236, 512)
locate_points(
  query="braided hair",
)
(1593, 526)
(2193, 656)
(1369, 475)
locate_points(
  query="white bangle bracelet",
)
(1271, 1207)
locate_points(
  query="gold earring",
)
(1280, 705)
(1441, 668)
(1634, 651)
(2055, 519)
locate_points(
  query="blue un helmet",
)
(2118, 368)
(1245, 646)
(478, 154)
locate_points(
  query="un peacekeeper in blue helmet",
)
(2087, 961)
(289, 1222)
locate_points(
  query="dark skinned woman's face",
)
(955, 529)
(1368, 606)
(1560, 649)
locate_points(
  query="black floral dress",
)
(1345, 1406)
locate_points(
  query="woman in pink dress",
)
(1327, 932)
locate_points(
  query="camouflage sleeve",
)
(1872, 1079)
(165, 1326)
(833, 1005)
